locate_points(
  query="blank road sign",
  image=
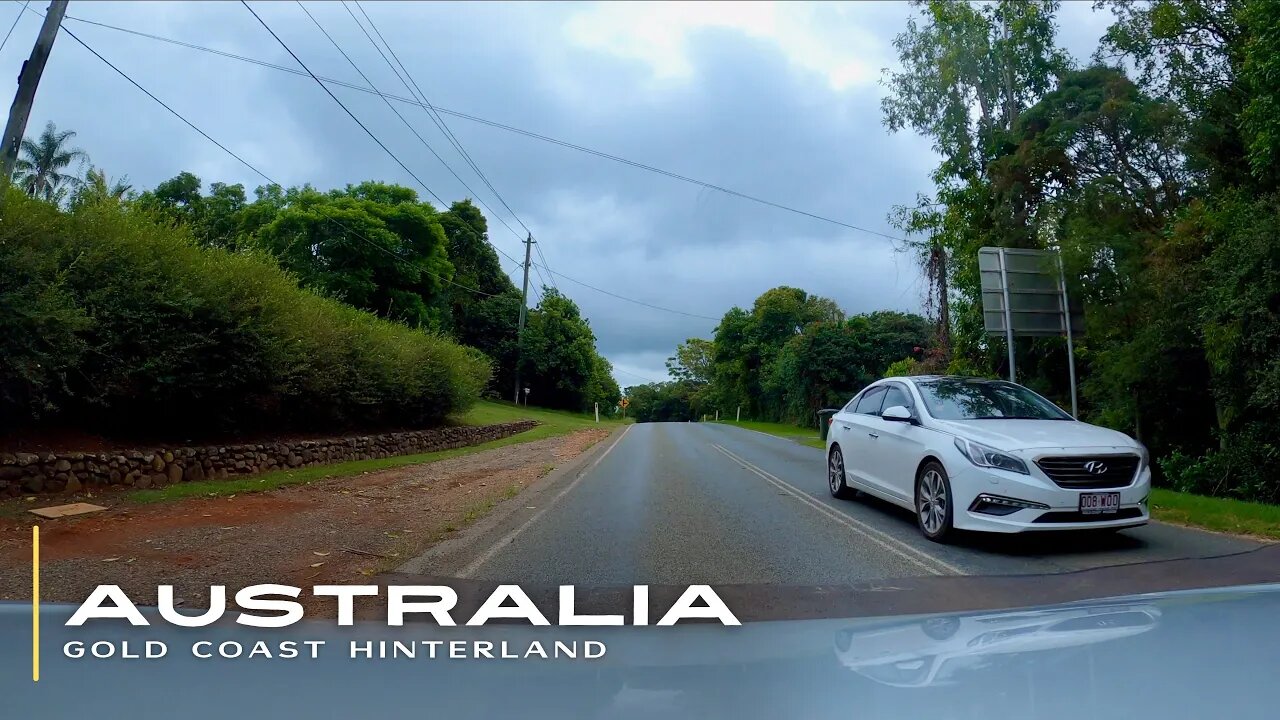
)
(1033, 283)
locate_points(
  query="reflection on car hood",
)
(1036, 434)
(933, 650)
(1191, 654)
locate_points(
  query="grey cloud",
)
(747, 119)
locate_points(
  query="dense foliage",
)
(1153, 171)
(112, 322)
(182, 310)
(789, 356)
(379, 248)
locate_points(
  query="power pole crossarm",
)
(28, 81)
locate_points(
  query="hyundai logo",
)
(1095, 467)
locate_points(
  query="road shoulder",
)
(458, 556)
(339, 530)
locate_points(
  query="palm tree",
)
(97, 187)
(39, 170)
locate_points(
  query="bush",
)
(112, 321)
(903, 368)
(40, 320)
(1244, 470)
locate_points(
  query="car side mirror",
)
(897, 413)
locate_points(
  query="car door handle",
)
(872, 435)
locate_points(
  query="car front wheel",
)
(934, 509)
(835, 475)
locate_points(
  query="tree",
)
(735, 363)
(220, 217)
(41, 168)
(602, 388)
(373, 245)
(890, 336)
(661, 402)
(477, 270)
(967, 73)
(558, 358)
(823, 366)
(490, 326)
(98, 188)
(693, 361)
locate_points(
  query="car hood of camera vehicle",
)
(1185, 654)
(1036, 434)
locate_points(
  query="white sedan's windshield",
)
(985, 400)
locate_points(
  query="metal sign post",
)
(1008, 314)
(1071, 353)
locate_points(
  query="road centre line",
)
(917, 557)
(507, 539)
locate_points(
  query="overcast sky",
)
(780, 101)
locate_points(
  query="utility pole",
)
(28, 80)
(524, 304)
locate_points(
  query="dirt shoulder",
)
(334, 531)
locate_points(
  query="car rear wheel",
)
(934, 509)
(835, 475)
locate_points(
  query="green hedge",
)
(113, 323)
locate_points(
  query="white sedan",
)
(984, 455)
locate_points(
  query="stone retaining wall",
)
(69, 472)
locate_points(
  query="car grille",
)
(1075, 516)
(1075, 472)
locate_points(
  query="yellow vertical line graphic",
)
(35, 603)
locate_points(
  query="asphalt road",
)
(685, 503)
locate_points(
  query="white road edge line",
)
(888, 542)
(507, 539)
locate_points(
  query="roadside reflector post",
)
(717, 416)
(597, 412)
(739, 417)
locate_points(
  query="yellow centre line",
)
(35, 603)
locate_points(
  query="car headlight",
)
(1143, 453)
(984, 456)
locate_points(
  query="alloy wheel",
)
(933, 501)
(835, 471)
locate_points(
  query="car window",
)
(954, 399)
(896, 395)
(870, 402)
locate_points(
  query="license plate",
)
(1099, 503)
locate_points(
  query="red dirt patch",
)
(340, 530)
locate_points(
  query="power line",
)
(14, 25)
(444, 127)
(273, 182)
(416, 92)
(421, 139)
(630, 300)
(543, 258)
(500, 126)
(165, 105)
(341, 104)
(249, 165)
(442, 124)
(638, 377)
